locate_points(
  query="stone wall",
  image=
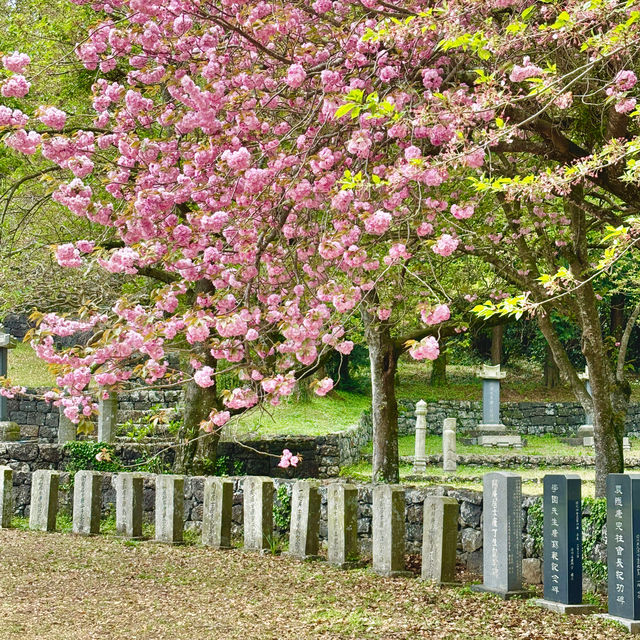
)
(16, 324)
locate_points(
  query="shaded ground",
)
(57, 586)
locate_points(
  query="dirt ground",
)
(59, 586)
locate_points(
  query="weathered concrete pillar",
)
(439, 539)
(9, 431)
(449, 457)
(67, 430)
(107, 416)
(169, 508)
(420, 454)
(342, 524)
(6, 497)
(258, 512)
(217, 512)
(305, 520)
(87, 502)
(129, 496)
(388, 530)
(44, 500)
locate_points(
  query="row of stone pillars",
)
(439, 527)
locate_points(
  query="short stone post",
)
(562, 504)
(129, 500)
(502, 535)
(169, 508)
(107, 416)
(439, 539)
(258, 512)
(87, 503)
(623, 550)
(44, 500)
(67, 430)
(449, 457)
(388, 530)
(217, 512)
(9, 431)
(6, 497)
(342, 525)
(305, 520)
(420, 456)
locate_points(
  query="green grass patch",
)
(26, 369)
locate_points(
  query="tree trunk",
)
(439, 367)
(616, 316)
(344, 375)
(551, 371)
(497, 335)
(384, 408)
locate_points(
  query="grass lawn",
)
(59, 586)
(26, 369)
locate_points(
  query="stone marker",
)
(502, 535)
(342, 525)
(449, 457)
(44, 500)
(9, 431)
(107, 416)
(67, 430)
(304, 533)
(388, 543)
(623, 549)
(169, 508)
(420, 455)
(563, 545)
(6, 497)
(491, 432)
(87, 503)
(129, 499)
(216, 512)
(258, 512)
(439, 539)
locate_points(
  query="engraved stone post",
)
(342, 525)
(305, 520)
(502, 535)
(491, 432)
(216, 512)
(623, 549)
(420, 456)
(258, 512)
(107, 416)
(129, 499)
(87, 501)
(388, 530)
(6, 497)
(169, 508)
(439, 539)
(9, 431)
(449, 457)
(67, 430)
(563, 545)
(44, 500)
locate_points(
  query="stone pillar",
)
(129, 499)
(169, 508)
(388, 530)
(87, 502)
(623, 550)
(9, 431)
(502, 535)
(563, 545)
(491, 432)
(107, 416)
(439, 539)
(304, 532)
(449, 457)
(216, 512)
(420, 456)
(6, 497)
(44, 500)
(342, 525)
(258, 512)
(67, 430)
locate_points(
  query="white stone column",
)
(217, 512)
(169, 508)
(258, 512)
(388, 524)
(129, 499)
(6, 497)
(449, 457)
(67, 430)
(420, 456)
(305, 520)
(87, 502)
(342, 524)
(44, 500)
(107, 416)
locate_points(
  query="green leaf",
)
(343, 110)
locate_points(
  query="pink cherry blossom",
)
(16, 62)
